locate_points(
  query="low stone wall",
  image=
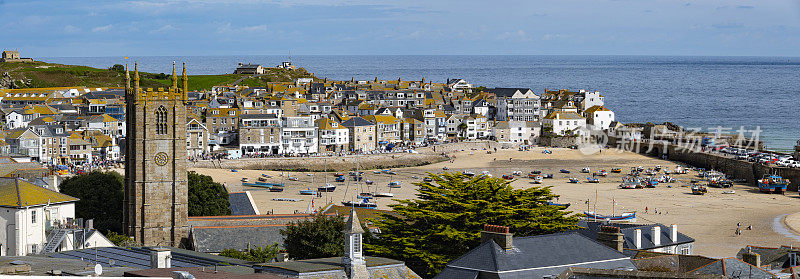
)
(563, 142)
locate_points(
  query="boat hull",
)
(626, 217)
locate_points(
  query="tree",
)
(117, 68)
(206, 197)
(100, 195)
(446, 219)
(462, 129)
(257, 255)
(319, 237)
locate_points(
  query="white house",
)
(591, 99)
(517, 104)
(299, 135)
(562, 122)
(517, 132)
(333, 136)
(599, 117)
(27, 212)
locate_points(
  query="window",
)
(161, 121)
(33, 217)
(356, 243)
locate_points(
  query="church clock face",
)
(161, 158)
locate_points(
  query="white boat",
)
(586, 170)
(287, 199)
(395, 184)
(384, 195)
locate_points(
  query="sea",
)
(755, 96)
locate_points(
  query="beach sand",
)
(710, 219)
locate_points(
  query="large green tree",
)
(318, 237)
(445, 221)
(206, 197)
(257, 254)
(100, 195)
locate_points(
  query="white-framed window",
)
(33, 217)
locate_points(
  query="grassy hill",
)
(42, 74)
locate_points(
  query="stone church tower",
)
(155, 210)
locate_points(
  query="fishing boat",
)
(276, 189)
(603, 173)
(549, 175)
(773, 184)
(650, 183)
(537, 179)
(266, 175)
(508, 177)
(308, 192)
(414, 177)
(368, 182)
(395, 184)
(244, 179)
(586, 170)
(699, 190)
(679, 170)
(367, 197)
(486, 173)
(592, 180)
(720, 182)
(384, 195)
(565, 205)
(624, 217)
(392, 172)
(234, 170)
(632, 184)
(363, 203)
(469, 173)
(573, 180)
(536, 172)
(616, 170)
(340, 179)
(292, 178)
(287, 199)
(564, 171)
(326, 188)
(386, 171)
(517, 173)
(376, 172)
(427, 179)
(445, 168)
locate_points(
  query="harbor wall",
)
(736, 169)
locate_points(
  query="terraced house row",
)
(308, 116)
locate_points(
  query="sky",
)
(400, 27)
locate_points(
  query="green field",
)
(41, 74)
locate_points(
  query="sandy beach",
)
(710, 219)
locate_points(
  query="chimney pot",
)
(160, 258)
(674, 233)
(500, 235)
(657, 235)
(638, 239)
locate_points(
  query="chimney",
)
(611, 236)
(657, 235)
(752, 258)
(674, 233)
(160, 258)
(638, 239)
(500, 235)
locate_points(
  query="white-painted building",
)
(333, 137)
(27, 213)
(599, 117)
(591, 99)
(517, 132)
(517, 104)
(299, 135)
(564, 122)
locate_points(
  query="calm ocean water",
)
(698, 92)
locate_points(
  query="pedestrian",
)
(645, 209)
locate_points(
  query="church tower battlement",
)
(156, 183)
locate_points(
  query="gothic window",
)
(161, 121)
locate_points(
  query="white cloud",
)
(71, 29)
(165, 28)
(518, 35)
(228, 28)
(104, 28)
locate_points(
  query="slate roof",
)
(258, 116)
(323, 264)
(734, 268)
(508, 92)
(356, 122)
(590, 230)
(199, 273)
(140, 257)
(647, 260)
(15, 192)
(526, 259)
(215, 239)
(240, 204)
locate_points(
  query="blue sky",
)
(256, 27)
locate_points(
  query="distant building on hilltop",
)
(13, 56)
(249, 69)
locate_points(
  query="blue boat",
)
(773, 184)
(364, 203)
(308, 192)
(625, 217)
(564, 171)
(573, 180)
(340, 179)
(565, 205)
(327, 188)
(592, 180)
(651, 183)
